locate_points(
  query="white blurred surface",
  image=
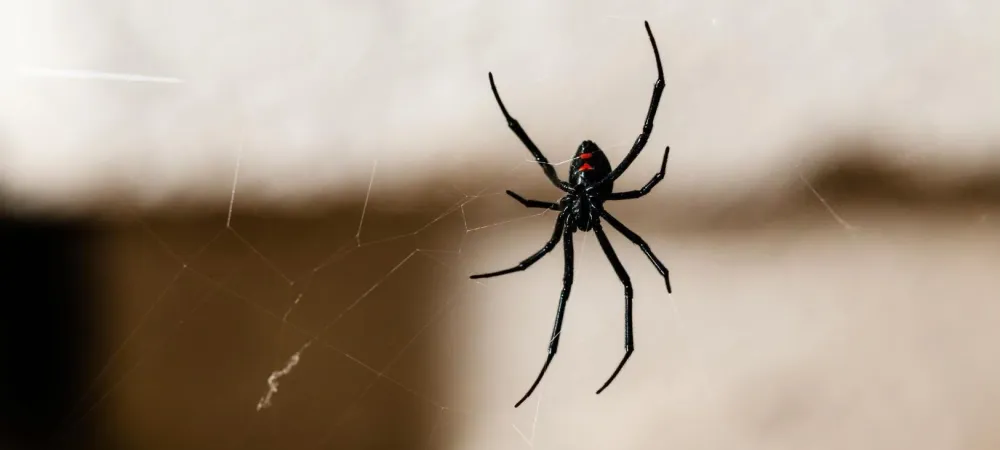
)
(310, 93)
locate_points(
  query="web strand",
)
(288, 365)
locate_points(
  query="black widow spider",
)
(582, 208)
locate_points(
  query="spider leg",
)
(628, 195)
(647, 127)
(631, 236)
(560, 312)
(609, 251)
(550, 171)
(551, 244)
(534, 203)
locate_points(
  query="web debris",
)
(272, 381)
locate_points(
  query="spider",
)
(591, 182)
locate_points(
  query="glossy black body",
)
(590, 185)
(585, 206)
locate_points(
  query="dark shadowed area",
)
(53, 297)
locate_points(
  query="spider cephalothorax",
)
(591, 183)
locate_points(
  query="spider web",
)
(308, 321)
(300, 378)
(251, 331)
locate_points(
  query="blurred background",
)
(251, 225)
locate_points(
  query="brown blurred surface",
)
(845, 315)
(204, 313)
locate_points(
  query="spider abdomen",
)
(590, 165)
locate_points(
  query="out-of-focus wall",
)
(828, 218)
(304, 97)
(870, 324)
(848, 314)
